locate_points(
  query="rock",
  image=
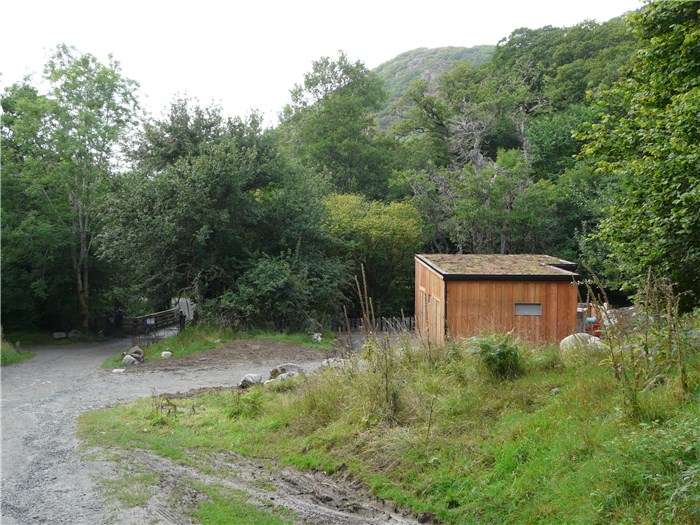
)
(136, 353)
(285, 368)
(581, 340)
(166, 354)
(655, 381)
(129, 360)
(59, 335)
(286, 375)
(118, 370)
(317, 337)
(250, 380)
(579, 346)
(282, 377)
(555, 390)
(76, 334)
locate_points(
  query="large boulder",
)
(59, 335)
(285, 368)
(250, 380)
(76, 334)
(137, 353)
(282, 377)
(129, 360)
(578, 347)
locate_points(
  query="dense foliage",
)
(580, 142)
(649, 139)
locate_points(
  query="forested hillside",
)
(422, 64)
(579, 142)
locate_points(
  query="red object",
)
(594, 329)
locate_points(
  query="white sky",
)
(248, 55)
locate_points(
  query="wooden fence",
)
(150, 323)
(383, 324)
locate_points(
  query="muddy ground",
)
(47, 478)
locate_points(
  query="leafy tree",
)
(287, 293)
(63, 149)
(211, 209)
(331, 120)
(553, 141)
(185, 218)
(382, 239)
(37, 286)
(648, 138)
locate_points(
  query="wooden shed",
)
(534, 296)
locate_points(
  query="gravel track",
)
(44, 478)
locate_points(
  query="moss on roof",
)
(521, 264)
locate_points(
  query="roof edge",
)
(571, 277)
(563, 265)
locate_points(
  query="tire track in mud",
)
(312, 497)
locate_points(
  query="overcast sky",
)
(248, 55)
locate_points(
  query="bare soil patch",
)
(252, 353)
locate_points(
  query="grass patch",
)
(295, 338)
(431, 430)
(9, 354)
(202, 337)
(131, 489)
(195, 338)
(230, 507)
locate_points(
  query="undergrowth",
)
(10, 354)
(428, 429)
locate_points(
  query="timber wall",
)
(430, 304)
(484, 307)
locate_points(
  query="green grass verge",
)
(431, 430)
(9, 354)
(198, 338)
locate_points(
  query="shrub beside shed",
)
(534, 296)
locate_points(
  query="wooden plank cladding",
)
(430, 303)
(538, 305)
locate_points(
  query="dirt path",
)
(44, 479)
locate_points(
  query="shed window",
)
(528, 309)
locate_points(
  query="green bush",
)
(500, 356)
(284, 293)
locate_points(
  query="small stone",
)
(118, 370)
(76, 334)
(59, 335)
(555, 390)
(317, 337)
(166, 354)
